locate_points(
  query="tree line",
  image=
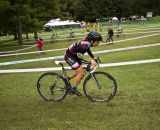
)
(23, 16)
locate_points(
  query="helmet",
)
(95, 36)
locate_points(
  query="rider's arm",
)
(94, 59)
(90, 53)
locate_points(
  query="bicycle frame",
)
(88, 69)
(64, 75)
(61, 84)
(96, 81)
(57, 89)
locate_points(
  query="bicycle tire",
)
(108, 87)
(50, 91)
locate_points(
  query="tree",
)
(18, 16)
(4, 7)
(19, 11)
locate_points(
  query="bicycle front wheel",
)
(52, 87)
(101, 88)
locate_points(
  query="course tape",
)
(18, 50)
(135, 38)
(126, 30)
(140, 32)
(126, 48)
(25, 53)
(59, 68)
(30, 60)
(147, 26)
(60, 57)
(140, 29)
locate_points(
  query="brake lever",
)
(98, 61)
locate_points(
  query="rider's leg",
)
(79, 73)
(112, 40)
(73, 74)
(109, 39)
(76, 65)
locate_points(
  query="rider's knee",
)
(81, 74)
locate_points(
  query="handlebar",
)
(88, 62)
(97, 60)
(88, 68)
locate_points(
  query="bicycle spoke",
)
(51, 87)
(105, 92)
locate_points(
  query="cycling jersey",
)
(81, 47)
(71, 54)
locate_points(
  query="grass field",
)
(136, 105)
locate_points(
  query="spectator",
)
(71, 35)
(119, 31)
(110, 35)
(40, 45)
(54, 35)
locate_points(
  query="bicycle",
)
(97, 86)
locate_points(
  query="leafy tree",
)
(4, 7)
(19, 16)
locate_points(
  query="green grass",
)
(136, 106)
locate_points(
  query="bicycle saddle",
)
(59, 62)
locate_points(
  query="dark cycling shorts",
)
(72, 60)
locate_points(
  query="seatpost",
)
(62, 66)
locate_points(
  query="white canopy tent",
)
(114, 19)
(149, 14)
(57, 22)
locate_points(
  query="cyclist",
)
(92, 40)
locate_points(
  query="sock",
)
(74, 88)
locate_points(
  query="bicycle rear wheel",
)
(52, 87)
(107, 90)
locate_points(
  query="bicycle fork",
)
(95, 80)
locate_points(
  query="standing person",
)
(40, 45)
(71, 35)
(119, 31)
(110, 35)
(92, 40)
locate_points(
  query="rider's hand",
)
(97, 59)
(93, 63)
